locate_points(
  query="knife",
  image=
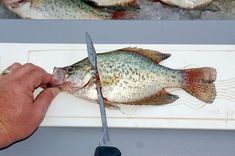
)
(104, 148)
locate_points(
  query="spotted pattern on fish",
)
(69, 9)
(128, 76)
(134, 76)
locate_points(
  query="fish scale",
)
(68, 9)
(58, 9)
(136, 78)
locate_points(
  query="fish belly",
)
(189, 4)
(133, 88)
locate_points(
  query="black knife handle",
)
(107, 151)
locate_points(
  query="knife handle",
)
(107, 151)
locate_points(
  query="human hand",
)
(20, 112)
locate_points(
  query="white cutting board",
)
(187, 112)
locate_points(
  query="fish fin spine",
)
(110, 105)
(199, 83)
(151, 54)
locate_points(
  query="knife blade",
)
(104, 148)
(105, 141)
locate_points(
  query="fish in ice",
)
(65, 9)
(133, 76)
(93, 9)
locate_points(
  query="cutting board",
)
(187, 112)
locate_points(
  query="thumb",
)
(43, 100)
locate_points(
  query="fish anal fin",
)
(160, 98)
(151, 54)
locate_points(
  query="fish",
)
(186, 4)
(59, 9)
(134, 76)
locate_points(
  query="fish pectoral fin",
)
(151, 54)
(212, 7)
(161, 98)
(115, 5)
(90, 2)
(110, 105)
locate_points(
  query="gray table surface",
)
(132, 142)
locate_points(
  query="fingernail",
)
(55, 91)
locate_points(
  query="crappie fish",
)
(134, 76)
(186, 4)
(57, 9)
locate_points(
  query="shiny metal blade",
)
(93, 60)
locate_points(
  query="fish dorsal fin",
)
(151, 54)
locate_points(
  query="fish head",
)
(20, 7)
(73, 78)
(14, 4)
(10, 2)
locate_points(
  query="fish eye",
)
(70, 69)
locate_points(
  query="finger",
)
(33, 75)
(28, 67)
(43, 100)
(11, 68)
(14, 67)
(37, 78)
(50, 82)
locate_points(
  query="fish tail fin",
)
(199, 83)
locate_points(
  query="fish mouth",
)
(58, 76)
(59, 80)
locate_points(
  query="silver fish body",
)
(187, 4)
(134, 76)
(57, 9)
